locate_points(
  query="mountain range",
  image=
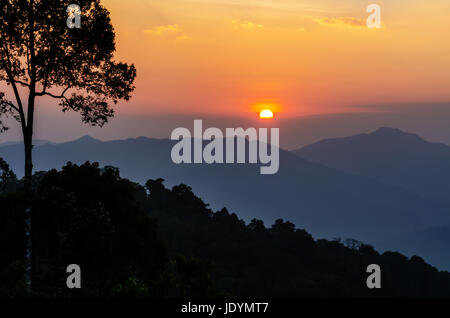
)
(394, 157)
(329, 200)
(389, 156)
(36, 142)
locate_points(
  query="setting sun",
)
(266, 114)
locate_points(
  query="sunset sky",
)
(221, 59)
(307, 56)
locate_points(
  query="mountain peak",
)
(390, 132)
(86, 138)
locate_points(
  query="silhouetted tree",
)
(41, 56)
(252, 260)
(112, 228)
(12, 253)
(6, 174)
(90, 216)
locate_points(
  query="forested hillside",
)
(152, 241)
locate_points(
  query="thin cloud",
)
(245, 25)
(164, 29)
(171, 31)
(351, 22)
(183, 38)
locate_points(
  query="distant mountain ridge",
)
(325, 201)
(398, 158)
(389, 156)
(37, 142)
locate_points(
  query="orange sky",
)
(313, 56)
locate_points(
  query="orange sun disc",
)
(266, 114)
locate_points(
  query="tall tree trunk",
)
(28, 142)
(29, 255)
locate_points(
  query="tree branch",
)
(10, 105)
(8, 69)
(62, 95)
(22, 83)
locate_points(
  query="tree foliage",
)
(132, 241)
(282, 260)
(76, 66)
(6, 175)
(41, 56)
(90, 217)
